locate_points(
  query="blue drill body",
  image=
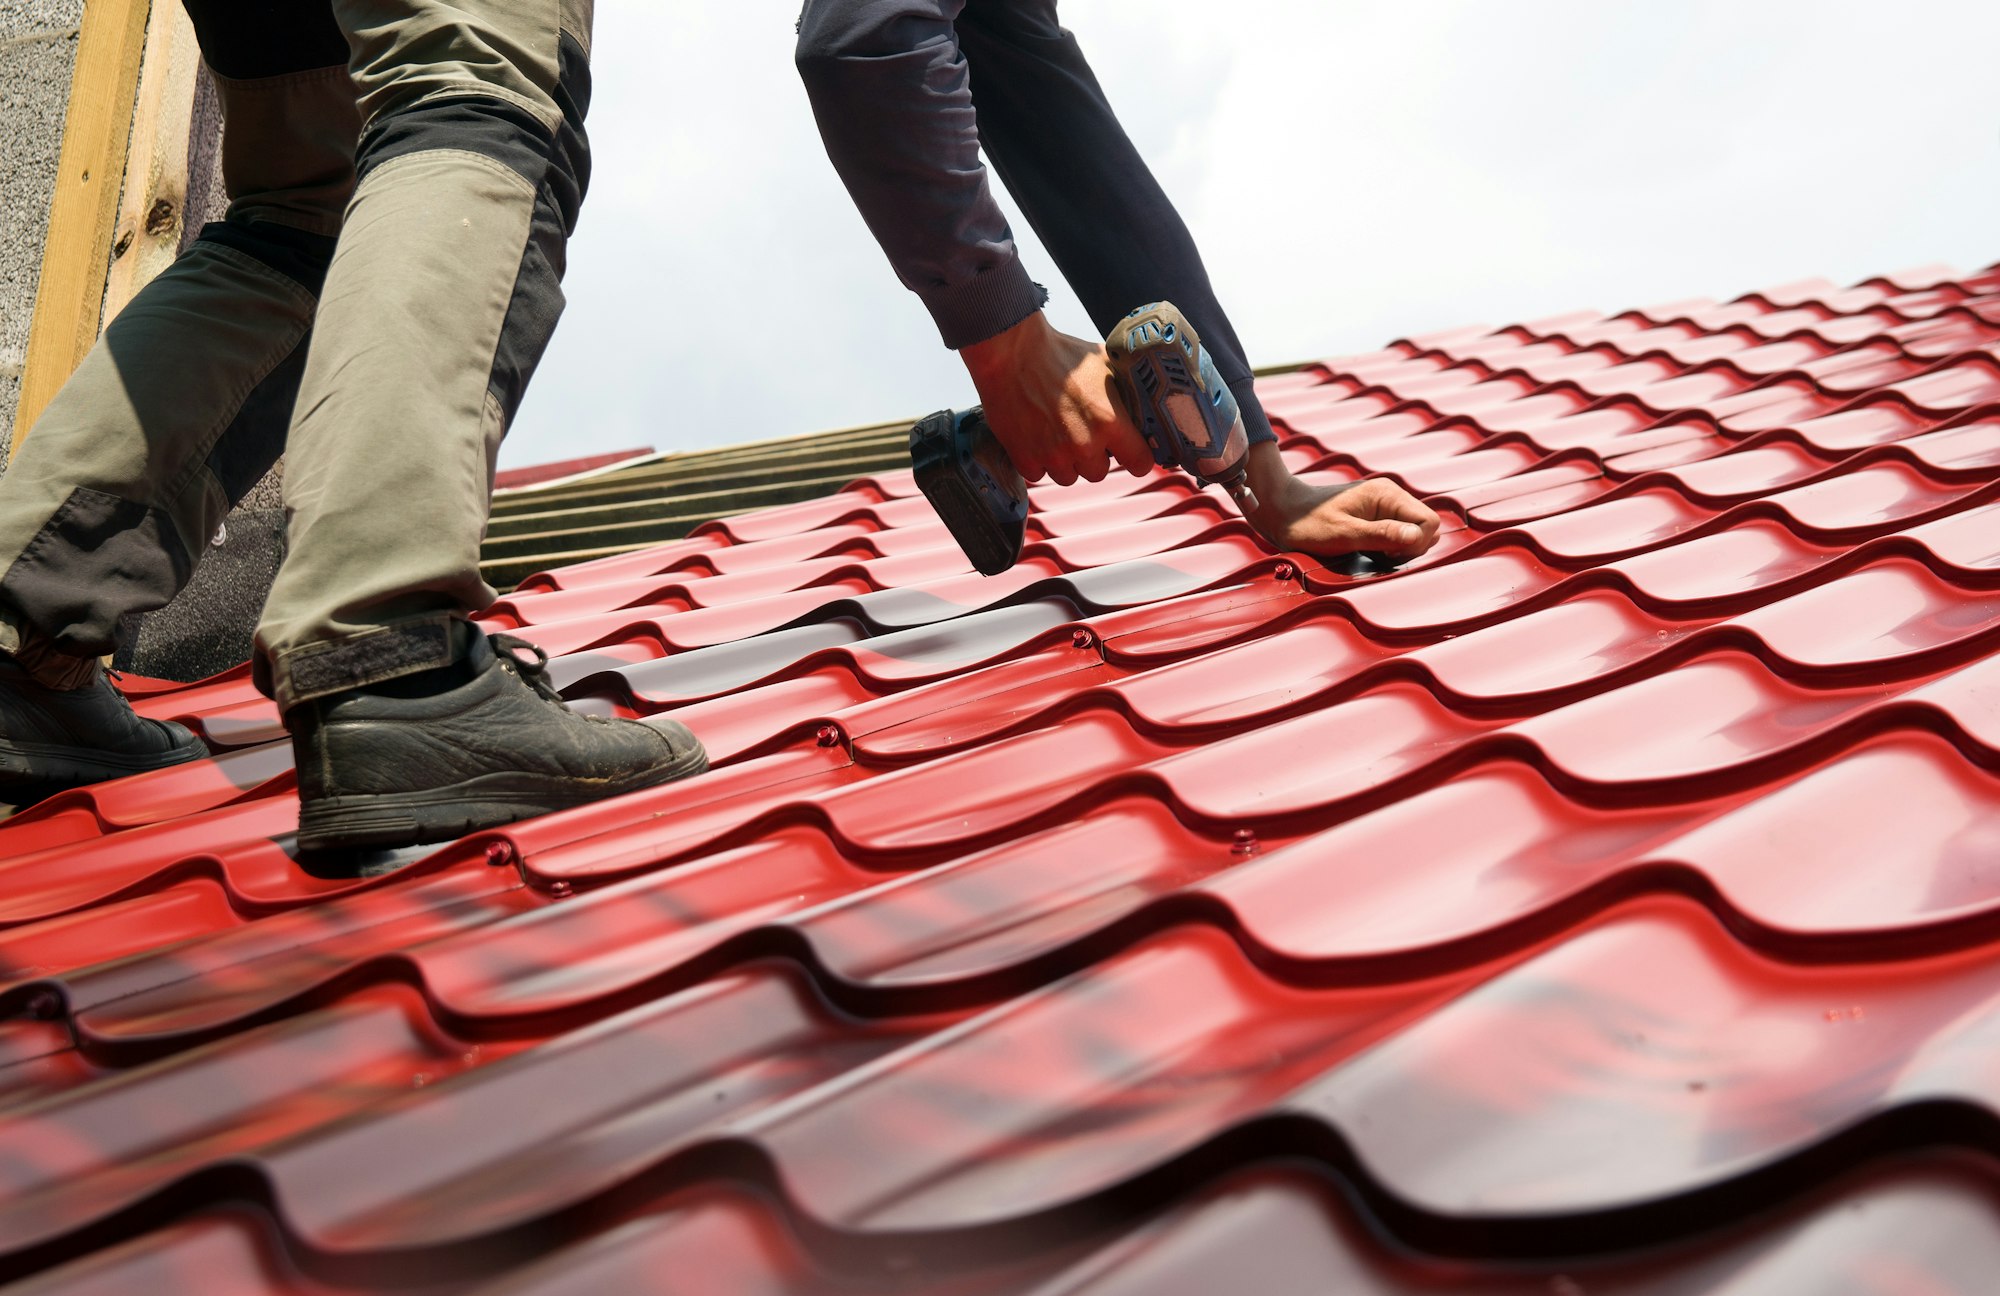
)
(1179, 403)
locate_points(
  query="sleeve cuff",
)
(989, 303)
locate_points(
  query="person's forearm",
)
(890, 92)
(1050, 131)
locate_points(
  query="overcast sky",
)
(1351, 172)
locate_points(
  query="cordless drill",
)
(1168, 386)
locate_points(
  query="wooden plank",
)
(752, 476)
(153, 212)
(70, 297)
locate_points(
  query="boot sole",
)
(44, 769)
(387, 820)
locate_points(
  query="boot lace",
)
(530, 663)
(533, 670)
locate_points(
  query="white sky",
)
(1351, 172)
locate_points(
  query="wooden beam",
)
(70, 297)
(153, 211)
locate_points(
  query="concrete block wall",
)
(37, 55)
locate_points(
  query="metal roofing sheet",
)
(1607, 901)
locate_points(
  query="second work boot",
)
(483, 742)
(62, 725)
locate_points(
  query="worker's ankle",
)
(37, 656)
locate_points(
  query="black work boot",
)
(482, 742)
(62, 724)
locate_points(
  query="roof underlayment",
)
(1608, 902)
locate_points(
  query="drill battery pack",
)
(965, 473)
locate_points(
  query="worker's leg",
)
(406, 725)
(177, 411)
(441, 297)
(183, 402)
(1051, 134)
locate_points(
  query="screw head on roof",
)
(829, 735)
(45, 1005)
(499, 854)
(1245, 843)
(561, 890)
(1284, 571)
(1082, 639)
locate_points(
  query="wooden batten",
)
(83, 214)
(153, 213)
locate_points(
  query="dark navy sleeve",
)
(907, 92)
(889, 88)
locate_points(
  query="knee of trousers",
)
(553, 159)
(556, 162)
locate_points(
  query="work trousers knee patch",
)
(97, 559)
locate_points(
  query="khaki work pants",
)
(403, 178)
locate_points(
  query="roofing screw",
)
(1245, 844)
(45, 1005)
(561, 890)
(829, 735)
(499, 854)
(1284, 571)
(1081, 639)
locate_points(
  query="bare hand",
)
(1374, 515)
(1050, 401)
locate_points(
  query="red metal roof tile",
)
(1608, 900)
(537, 474)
